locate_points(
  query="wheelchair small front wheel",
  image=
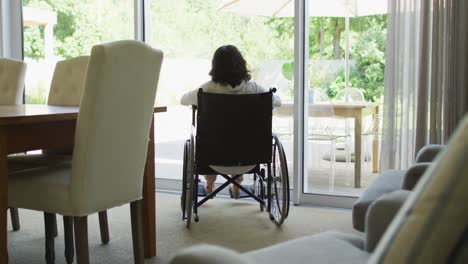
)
(260, 188)
(279, 185)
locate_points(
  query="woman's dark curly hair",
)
(229, 67)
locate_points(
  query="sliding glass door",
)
(311, 51)
(343, 51)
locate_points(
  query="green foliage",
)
(80, 25)
(367, 42)
(369, 52)
(195, 28)
(339, 84)
(34, 37)
(288, 70)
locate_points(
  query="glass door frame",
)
(301, 58)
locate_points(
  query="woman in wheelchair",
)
(229, 75)
(232, 136)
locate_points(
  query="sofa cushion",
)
(208, 254)
(325, 247)
(386, 182)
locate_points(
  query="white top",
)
(245, 87)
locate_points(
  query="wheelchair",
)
(232, 135)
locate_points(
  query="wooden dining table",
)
(356, 111)
(34, 127)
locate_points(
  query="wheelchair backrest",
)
(233, 130)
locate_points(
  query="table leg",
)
(357, 148)
(375, 142)
(149, 202)
(3, 197)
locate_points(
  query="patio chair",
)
(321, 127)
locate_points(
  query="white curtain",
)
(11, 30)
(426, 85)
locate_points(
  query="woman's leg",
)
(234, 190)
(209, 185)
(239, 181)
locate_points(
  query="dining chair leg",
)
(137, 231)
(49, 237)
(80, 224)
(104, 226)
(55, 226)
(69, 244)
(15, 224)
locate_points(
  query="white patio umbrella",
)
(317, 8)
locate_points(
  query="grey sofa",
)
(430, 225)
(392, 180)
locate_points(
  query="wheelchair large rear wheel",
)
(188, 182)
(183, 196)
(279, 185)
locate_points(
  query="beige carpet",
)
(237, 225)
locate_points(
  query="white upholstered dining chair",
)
(111, 142)
(12, 73)
(66, 89)
(67, 83)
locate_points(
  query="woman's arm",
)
(190, 98)
(260, 89)
(276, 101)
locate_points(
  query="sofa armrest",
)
(380, 215)
(413, 174)
(208, 254)
(387, 182)
(428, 153)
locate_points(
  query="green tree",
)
(368, 50)
(34, 36)
(326, 41)
(80, 25)
(195, 28)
